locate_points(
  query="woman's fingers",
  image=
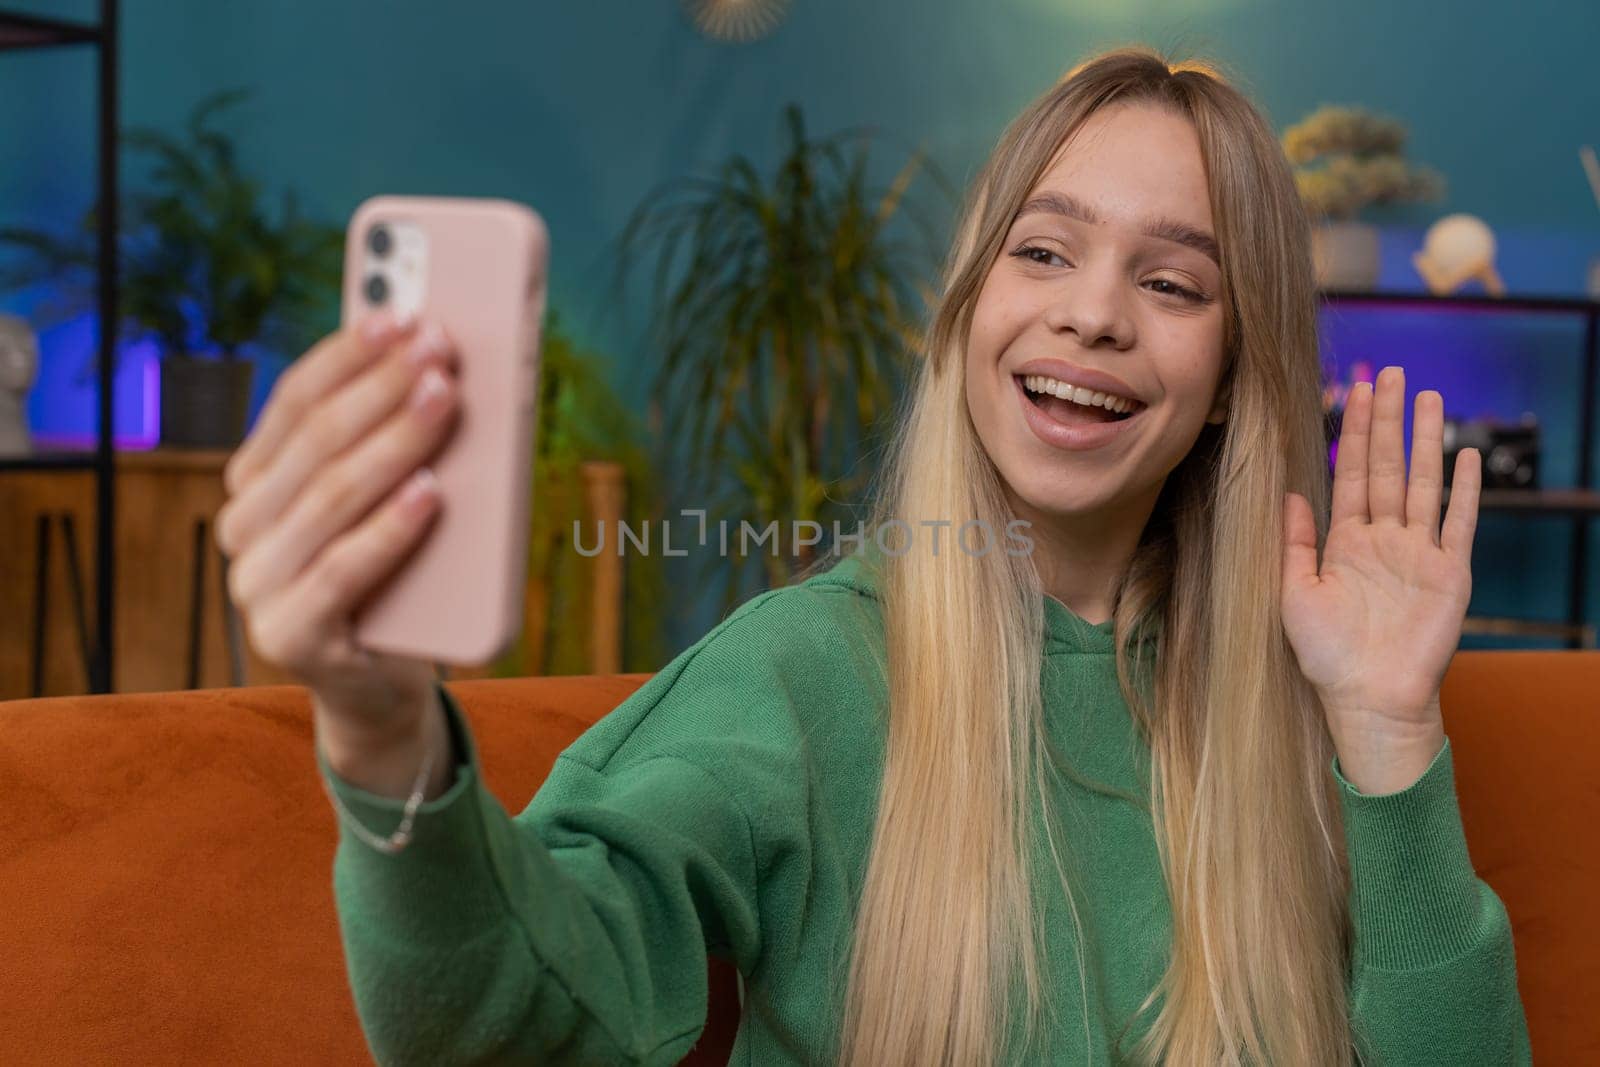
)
(332, 426)
(1386, 462)
(1461, 520)
(304, 622)
(1350, 462)
(344, 490)
(1425, 488)
(315, 375)
(1370, 483)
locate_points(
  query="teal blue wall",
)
(579, 108)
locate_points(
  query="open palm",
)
(1375, 626)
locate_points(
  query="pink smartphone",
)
(479, 268)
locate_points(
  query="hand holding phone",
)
(478, 268)
(378, 513)
(327, 497)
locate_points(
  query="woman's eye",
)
(1032, 253)
(1172, 288)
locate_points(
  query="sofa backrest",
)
(1524, 732)
(166, 868)
(165, 859)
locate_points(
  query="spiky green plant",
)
(783, 312)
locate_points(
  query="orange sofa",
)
(165, 889)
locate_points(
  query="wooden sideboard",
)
(174, 628)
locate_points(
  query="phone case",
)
(458, 599)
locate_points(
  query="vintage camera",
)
(1510, 450)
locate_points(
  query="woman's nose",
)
(1092, 305)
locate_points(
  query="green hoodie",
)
(727, 806)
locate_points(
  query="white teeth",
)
(1036, 383)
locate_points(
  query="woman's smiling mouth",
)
(1045, 390)
(1076, 424)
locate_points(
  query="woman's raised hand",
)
(1375, 626)
(328, 495)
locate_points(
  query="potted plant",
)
(784, 310)
(1346, 160)
(207, 271)
(582, 422)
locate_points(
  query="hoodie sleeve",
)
(576, 932)
(1434, 978)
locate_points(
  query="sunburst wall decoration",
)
(736, 20)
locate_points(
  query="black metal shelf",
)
(22, 32)
(1578, 503)
(1538, 501)
(1469, 302)
(52, 461)
(19, 31)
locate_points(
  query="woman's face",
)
(1107, 282)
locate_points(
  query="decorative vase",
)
(1345, 255)
(204, 402)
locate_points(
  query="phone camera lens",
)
(379, 240)
(377, 289)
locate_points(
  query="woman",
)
(1140, 780)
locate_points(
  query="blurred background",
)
(725, 182)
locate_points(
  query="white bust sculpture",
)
(19, 364)
(1455, 250)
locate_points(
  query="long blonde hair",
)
(1246, 819)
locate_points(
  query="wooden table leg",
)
(43, 526)
(230, 626)
(41, 582)
(80, 614)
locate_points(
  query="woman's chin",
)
(1062, 497)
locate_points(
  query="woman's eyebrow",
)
(1161, 228)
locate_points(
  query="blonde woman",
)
(1157, 776)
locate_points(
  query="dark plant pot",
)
(204, 402)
